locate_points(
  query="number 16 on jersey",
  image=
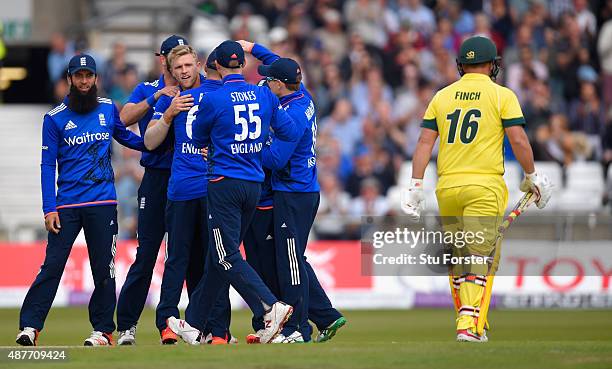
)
(469, 125)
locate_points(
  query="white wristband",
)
(415, 182)
(531, 176)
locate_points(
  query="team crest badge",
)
(102, 119)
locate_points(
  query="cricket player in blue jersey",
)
(234, 123)
(77, 138)
(186, 213)
(296, 201)
(151, 195)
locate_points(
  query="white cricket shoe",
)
(188, 333)
(295, 337)
(27, 337)
(274, 320)
(98, 338)
(467, 335)
(127, 338)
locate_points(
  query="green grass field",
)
(371, 339)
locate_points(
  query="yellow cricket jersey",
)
(470, 116)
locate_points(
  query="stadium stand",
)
(20, 199)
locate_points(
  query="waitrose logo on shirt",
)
(87, 138)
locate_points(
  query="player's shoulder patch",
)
(152, 84)
(104, 100)
(57, 109)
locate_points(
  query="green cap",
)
(476, 50)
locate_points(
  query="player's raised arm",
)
(138, 104)
(262, 53)
(50, 138)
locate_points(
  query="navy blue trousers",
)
(231, 205)
(294, 213)
(100, 227)
(151, 229)
(260, 253)
(188, 244)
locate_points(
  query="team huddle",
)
(226, 163)
(230, 163)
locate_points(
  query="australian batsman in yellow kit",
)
(470, 116)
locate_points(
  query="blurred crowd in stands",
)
(374, 65)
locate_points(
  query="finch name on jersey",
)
(470, 96)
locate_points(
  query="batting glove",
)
(413, 200)
(540, 185)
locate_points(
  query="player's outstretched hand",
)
(413, 200)
(247, 46)
(540, 185)
(52, 223)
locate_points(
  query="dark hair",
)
(294, 86)
(233, 64)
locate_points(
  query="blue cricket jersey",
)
(162, 157)
(234, 122)
(81, 146)
(294, 164)
(188, 175)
